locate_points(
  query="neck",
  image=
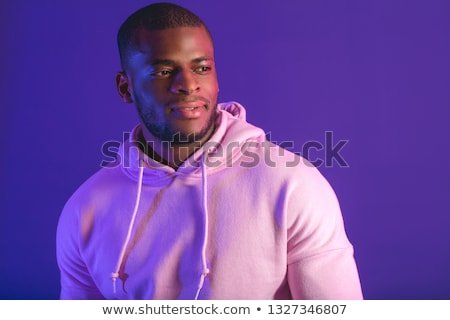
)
(167, 153)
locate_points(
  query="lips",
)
(188, 110)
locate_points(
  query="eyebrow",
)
(164, 62)
(169, 62)
(202, 58)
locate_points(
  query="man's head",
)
(157, 16)
(167, 57)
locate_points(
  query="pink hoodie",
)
(241, 219)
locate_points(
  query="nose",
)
(185, 82)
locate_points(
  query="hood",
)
(232, 131)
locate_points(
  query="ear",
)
(123, 87)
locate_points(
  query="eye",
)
(202, 69)
(163, 73)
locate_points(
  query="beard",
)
(163, 132)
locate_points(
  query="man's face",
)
(172, 79)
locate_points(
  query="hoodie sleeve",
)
(321, 265)
(76, 282)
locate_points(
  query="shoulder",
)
(289, 175)
(304, 187)
(274, 159)
(95, 192)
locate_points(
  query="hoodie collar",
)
(231, 128)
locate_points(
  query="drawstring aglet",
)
(114, 276)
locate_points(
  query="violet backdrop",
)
(375, 73)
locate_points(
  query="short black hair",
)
(156, 16)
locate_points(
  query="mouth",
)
(191, 110)
(188, 108)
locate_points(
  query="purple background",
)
(376, 73)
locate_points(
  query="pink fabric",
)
(275, 230)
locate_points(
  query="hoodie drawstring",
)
(205, 271)
(115, 274)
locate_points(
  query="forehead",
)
(173, 41)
